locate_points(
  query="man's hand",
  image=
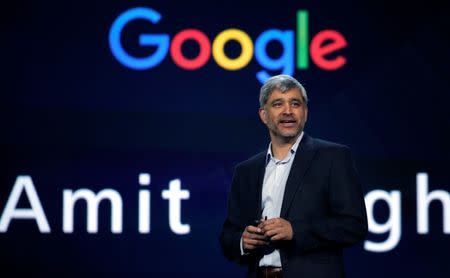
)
(253, 238)
(276, 229)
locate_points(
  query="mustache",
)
(287, 119)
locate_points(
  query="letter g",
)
(161, 41)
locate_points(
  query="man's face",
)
(284, 114)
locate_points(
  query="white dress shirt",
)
(275, 178)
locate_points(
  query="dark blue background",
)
(72, 116)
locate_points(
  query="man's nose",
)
(287, 109)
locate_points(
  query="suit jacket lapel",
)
(303, 158)
(261, 169)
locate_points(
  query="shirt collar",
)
(292, 151)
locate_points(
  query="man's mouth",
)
(288, 123)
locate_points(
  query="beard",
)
(286, 135)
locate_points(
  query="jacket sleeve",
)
(233, 226)
(346, 223)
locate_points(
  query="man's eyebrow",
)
(291, 99)
(296, 99)
(277, 99)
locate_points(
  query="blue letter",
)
(160, 40)
(285, 61)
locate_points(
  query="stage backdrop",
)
(122, 121)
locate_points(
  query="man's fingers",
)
(278, 229)
(250, 244)
(272, 226)
(273, 229)
(272, 232)
(276, 234)
(253, 236)
(258, 236)
(279, 236)
(249, 247)
(253, 229)
(274, 223)
(254, 242)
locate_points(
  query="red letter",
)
(318, 50)
(203, 55)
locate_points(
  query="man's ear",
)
(263, 115)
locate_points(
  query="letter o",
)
(246, 53)
(180, 59)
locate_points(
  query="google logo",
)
(321, 49)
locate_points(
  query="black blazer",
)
(323, 201)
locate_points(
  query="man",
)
(292, 208)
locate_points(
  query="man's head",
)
(283, 107)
